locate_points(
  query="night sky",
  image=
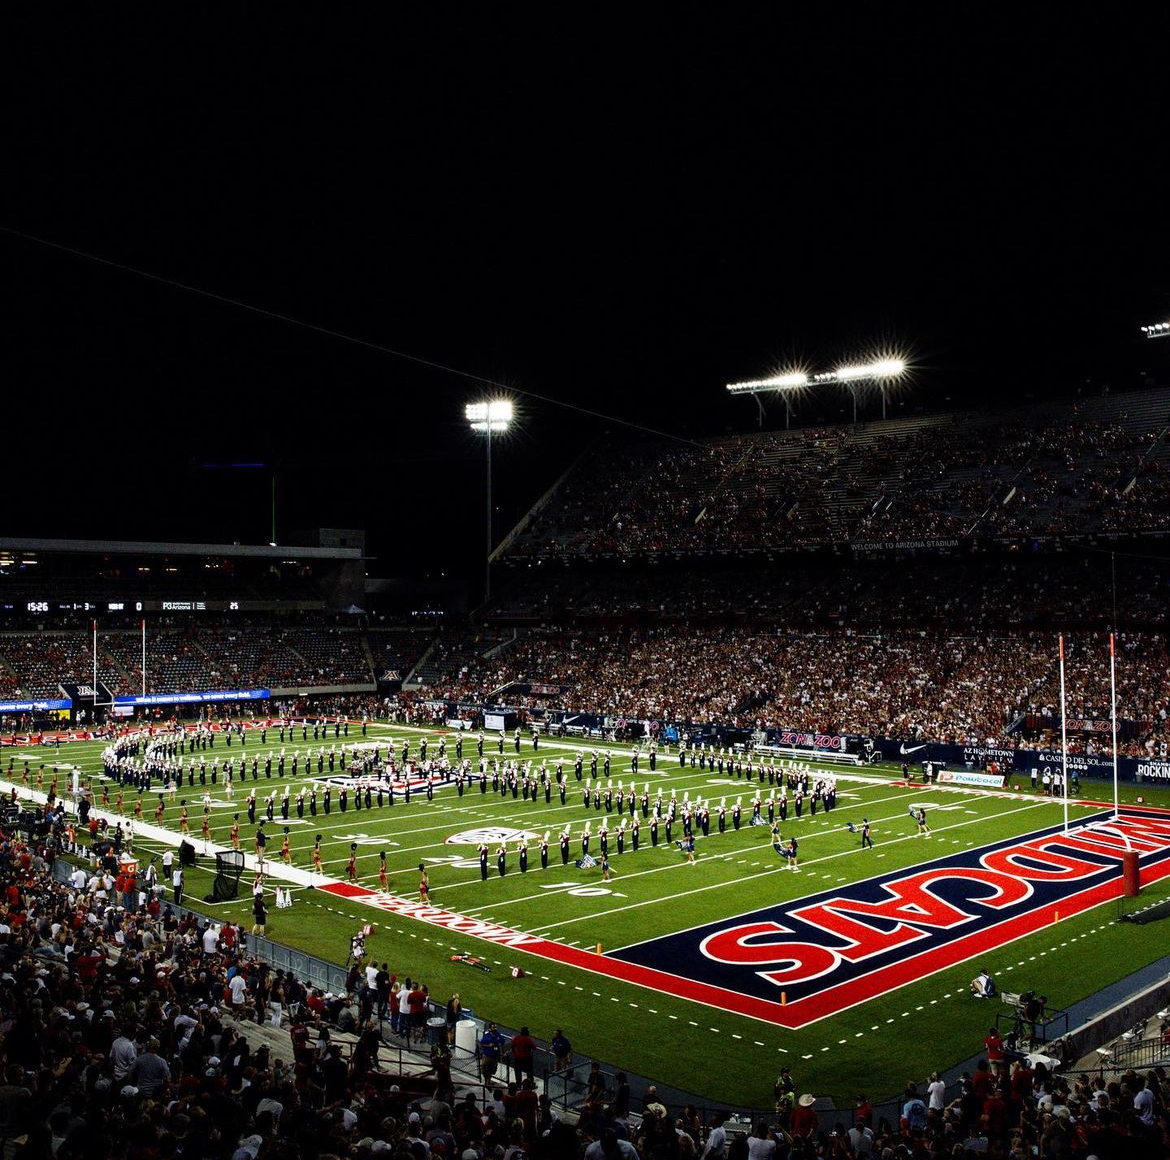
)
(619, 208)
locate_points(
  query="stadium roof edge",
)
(161, 548)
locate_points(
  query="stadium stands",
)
(123, 1038)
(1073, 469)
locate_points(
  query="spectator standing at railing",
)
(936, 1093)
(994, 1047)
(562, 1050)
(491, 1047)
(523, 1054)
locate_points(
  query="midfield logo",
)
(804, 960)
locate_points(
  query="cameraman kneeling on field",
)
(983, 985)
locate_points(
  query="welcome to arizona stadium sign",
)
(808, 958)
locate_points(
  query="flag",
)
(851, 827)
(586, 863)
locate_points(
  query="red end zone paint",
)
(849, 945)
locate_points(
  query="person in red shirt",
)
(87, 965)
(416, 1005)
(524, 1105)
(804, 1119)
(863, 1113)
(1021, 1080)
(995, 1111)
(523, 1051)
(993, 1045)
(981, 1080)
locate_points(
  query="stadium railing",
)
(832, 756)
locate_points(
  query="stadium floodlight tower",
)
(782, 384)
(489, 418)
(1157, 330)
(882, 372)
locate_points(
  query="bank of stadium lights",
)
(880, 371)
(489, 418)
(1158, 330)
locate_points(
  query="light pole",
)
(489, 418)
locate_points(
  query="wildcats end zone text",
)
(804, 959)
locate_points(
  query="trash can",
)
(465, 1036)
(436, 1031)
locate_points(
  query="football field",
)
(851, 968)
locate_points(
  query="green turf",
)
(874, 1047)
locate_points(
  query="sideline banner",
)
(972, 777)
(195, 698)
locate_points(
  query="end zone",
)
(809, 958)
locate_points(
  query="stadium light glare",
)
(489, 418)
(886, 368)
(495, 415)
(785, 382)
(879, 371)
(1157, 330)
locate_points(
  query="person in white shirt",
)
(239, 989)
(716, 1139)
(936, 1090)
(1143, 1103)
(210, 940)
(184, 1025)
(861, 1140)
(123, 1053)
(403, 1006)
(611, 1144)
(761, 1146)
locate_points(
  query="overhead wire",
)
(340, 335)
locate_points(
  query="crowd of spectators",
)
(124, 1031)
(933, 648)
(962, 689)
(215, 652)
(129, 1033)
(1059, 470)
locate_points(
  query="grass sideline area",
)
(874, 1046)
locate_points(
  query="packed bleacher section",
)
(131, 1030)
(940, 649)
(186, 655)
(38, 662)
(947, 649)
(1096, 466)
(962, 689)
